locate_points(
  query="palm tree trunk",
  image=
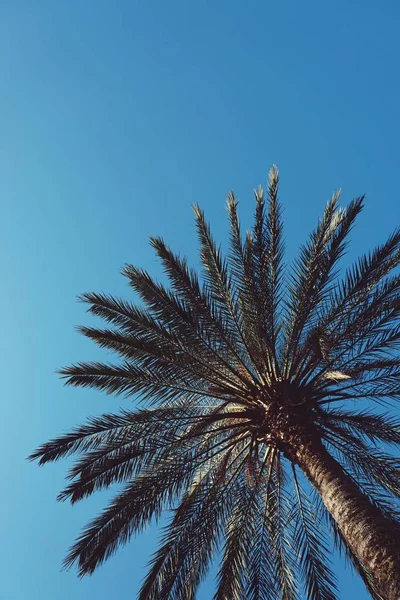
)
(373, 538)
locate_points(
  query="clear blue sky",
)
(115, 117)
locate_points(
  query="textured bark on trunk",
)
(373, 538)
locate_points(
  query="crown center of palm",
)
(281, 408)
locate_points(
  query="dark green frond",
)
(83, 438)
(315, 271)
(219, 281)
(132, 510)
(262, 582)
(275, 253)
(369, 426)
(239, 536)
(241, 263)
(208, 317)
(311, 548)
(190, 539)
(127, 379)
(281, 538)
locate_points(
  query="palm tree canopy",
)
(228, 366)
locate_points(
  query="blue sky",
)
(115, 117)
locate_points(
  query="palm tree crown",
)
(244, 371)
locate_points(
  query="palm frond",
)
(219, 280)
(95, 433)
(128, 513)
(208, 319)
(241, 263)
(187, 546)
(240, 531)
(314, 270)
(281, 535)
(311, 548)
(262, 581)
(369, 426)
(148, 383)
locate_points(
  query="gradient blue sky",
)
(115, 117)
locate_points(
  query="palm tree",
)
(262, 431)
